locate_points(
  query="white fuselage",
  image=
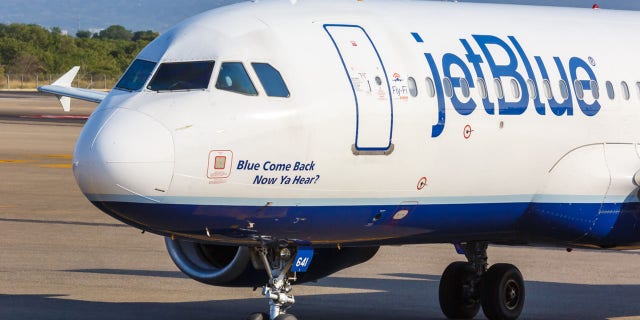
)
(344, 140)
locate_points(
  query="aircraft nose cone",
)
(124, 154)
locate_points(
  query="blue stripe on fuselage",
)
(315, 202)
(554, 222)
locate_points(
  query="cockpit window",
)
(271, 80)
(173, 76)
(233, 77)
(137, 74)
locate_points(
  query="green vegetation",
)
(31, 49)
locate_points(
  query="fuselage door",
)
(368, 79)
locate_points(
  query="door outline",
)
(357, 150)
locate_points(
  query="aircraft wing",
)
(64, 91)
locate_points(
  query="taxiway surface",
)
(61, 258)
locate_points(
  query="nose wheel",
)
(465, 286)
(264, 316)
(502, 292)
(457, 291)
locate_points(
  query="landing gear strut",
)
(277, 263)
(465, 286)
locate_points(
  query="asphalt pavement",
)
(61, 258)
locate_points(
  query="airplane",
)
(276, 142)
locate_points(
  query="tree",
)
(26, 63)
(115, 32)
(144, 35)
(10, 48)
(84, 34)
(29, 49)
(30, 34)
(56, 30)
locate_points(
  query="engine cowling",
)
(232, 266)
(215, 265)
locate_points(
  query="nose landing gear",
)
(465, 286)
(277, 263)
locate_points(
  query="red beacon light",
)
(595, 6)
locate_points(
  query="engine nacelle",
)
(233, 267)
(215, 265)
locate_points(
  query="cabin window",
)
(577, 85)
(173, 76)
(271, 80)
(464, 85)
(595, 89)
(547, 89)
(431, 89)
(638, 87)
(515, 88)
(610, 93)
(136, 75)
(533, 93)
(499, 90)
(625, 90)
(564, 90)
(413, 88)
(448, 87)
(482, 88)
(234, 77)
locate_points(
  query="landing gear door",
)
(368, 79)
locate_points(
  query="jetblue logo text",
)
(573, 70)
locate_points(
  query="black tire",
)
(258, 316)
(455, 303)
(286, 317)
(502, 292)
